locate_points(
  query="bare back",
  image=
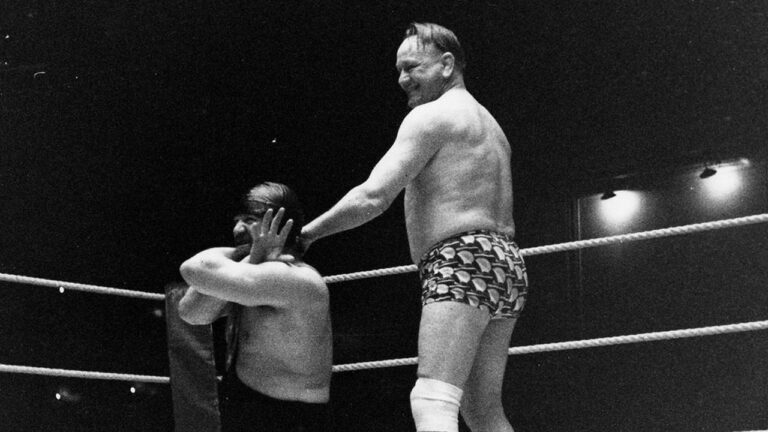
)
(467, 184)
(286, 351)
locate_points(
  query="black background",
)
(128, 128)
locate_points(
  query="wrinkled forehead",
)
(254, 207)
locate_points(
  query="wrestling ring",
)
(521, 350)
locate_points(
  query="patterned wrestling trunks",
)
(481, 268)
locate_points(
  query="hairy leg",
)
(449, 335)
(481, 405)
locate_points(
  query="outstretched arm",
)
(415, 144)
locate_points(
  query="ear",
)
(448, 61)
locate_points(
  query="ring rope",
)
(559, 247)
(550, 347)
(83, 374)
(586, 343)
(4, 277)
(685, 229)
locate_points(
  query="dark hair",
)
(276, 195)
(442, 38)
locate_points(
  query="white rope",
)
(581, 244)
(4, 277)
(645, 235)
(560, 247)
(587, 343)
(560, 346)
(83, 374)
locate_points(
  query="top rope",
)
(4, 277)
(560, 247)
(581, 244)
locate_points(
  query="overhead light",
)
(622, 208)
(728, 180)
(608, 195)
(708, 172)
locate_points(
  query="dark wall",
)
(687, 281)
(127, 129)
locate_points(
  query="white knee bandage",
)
(435, 405)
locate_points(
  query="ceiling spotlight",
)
(608, 195)
(708, 172)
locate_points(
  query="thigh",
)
(487, 375)
(449, 336)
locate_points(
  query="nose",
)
(240, 226)
(403, 79)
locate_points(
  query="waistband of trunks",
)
(487, 232)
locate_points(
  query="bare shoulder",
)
(307, 277)
(447, 114)
(310, 274)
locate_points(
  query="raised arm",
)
(252, 278)
(417, 141)
(270, 283)
(197, 308)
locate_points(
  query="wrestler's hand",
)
(268, 242)
(240, 252)
(304, 242)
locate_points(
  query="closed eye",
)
(246, 219)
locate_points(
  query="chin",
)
(242, 240)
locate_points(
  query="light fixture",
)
(608, 195)
(708, 172)
(620, 209)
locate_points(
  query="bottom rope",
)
(560, 346)
(587, 343)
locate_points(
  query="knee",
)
(435, 405)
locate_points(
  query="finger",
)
(286, 230)
(253, 230)
(276, 221)
(266, 221)
(255, 239)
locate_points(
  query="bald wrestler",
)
(453, 160)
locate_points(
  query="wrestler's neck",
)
(456, 82)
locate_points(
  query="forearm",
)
(356, 208)
(197, 308)
(196, 270)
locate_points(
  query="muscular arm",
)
(417, 141)
(197, 308)
(215, 273)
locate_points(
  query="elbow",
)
(373, 202)
(185, 312)
(192, 319)
(186, 270)
(194, 269)
(190, 315)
